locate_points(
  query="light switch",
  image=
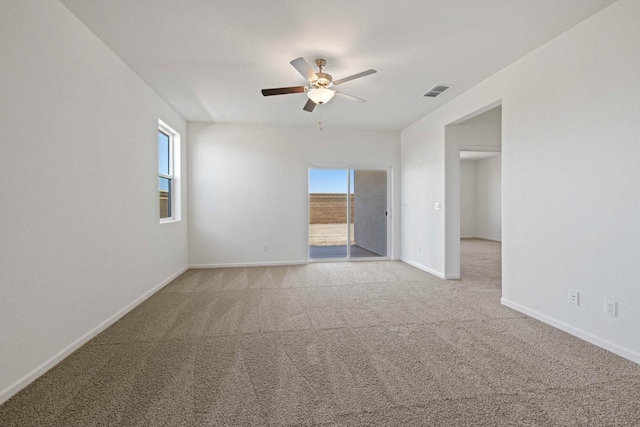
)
(437, 206)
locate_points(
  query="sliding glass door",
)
(347, 214)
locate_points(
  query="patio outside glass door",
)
(347, 205)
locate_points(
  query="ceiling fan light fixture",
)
(321, 95)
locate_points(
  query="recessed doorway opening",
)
(348, 214)
(480, 216)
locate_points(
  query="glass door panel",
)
(369, 213)
(328, 203)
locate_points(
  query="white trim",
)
(27, 379)
(423, 268)
(390, 199)
(175, 172)
(487, 148)
(614, 348)
(169, 220)
(357, 259)
(249, 264)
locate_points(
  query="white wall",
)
(80, 233)
(468, 198)
(248, 187)
(569, 174)
(480, 198)
(426, 181)
(488, 220)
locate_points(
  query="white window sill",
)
(169, 220)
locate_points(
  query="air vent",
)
(436, 90)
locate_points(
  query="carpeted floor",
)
(362, 343)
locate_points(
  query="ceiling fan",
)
(318, 90)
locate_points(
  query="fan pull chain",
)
(320, 121)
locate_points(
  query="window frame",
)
(173, 175)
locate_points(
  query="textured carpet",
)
(362, 343)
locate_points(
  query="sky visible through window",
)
(163, 159)
(329, 181)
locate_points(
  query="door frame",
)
(348, 168)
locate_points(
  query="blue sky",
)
(329, 181)
(163, 160)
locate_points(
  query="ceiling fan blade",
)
(304, 68)
(283, 90)
(355, 76)
(355, 98)
(309, 106)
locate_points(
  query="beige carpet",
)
(360, 343)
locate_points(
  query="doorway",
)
(348, 214)
(480, 216)
(478, 131)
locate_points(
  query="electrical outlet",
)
(265, 248)
(419, 249)
(574, 297)
(610, 307)
(166, 260)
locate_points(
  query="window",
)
(168, 168)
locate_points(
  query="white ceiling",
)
(210, 58)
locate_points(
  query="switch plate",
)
(574, 297)
(419, 249)
(610, 307)
(265, 248)
(437, 206)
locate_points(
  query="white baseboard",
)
(493, 239)
(423, 268)
(250, 264)
(614, 348)
(27, 379)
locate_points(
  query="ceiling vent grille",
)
(436, 90)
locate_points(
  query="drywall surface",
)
(431, 239)
(480, 198)
(248, 187)
(422, 183)
(488, 223)
(569, 176)
(80, 234)
(468, 198)
(370, 205)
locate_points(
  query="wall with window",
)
(80, 236)
(248, 187)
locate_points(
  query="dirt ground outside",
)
(329, 234)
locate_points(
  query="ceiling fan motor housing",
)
(324, 80)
